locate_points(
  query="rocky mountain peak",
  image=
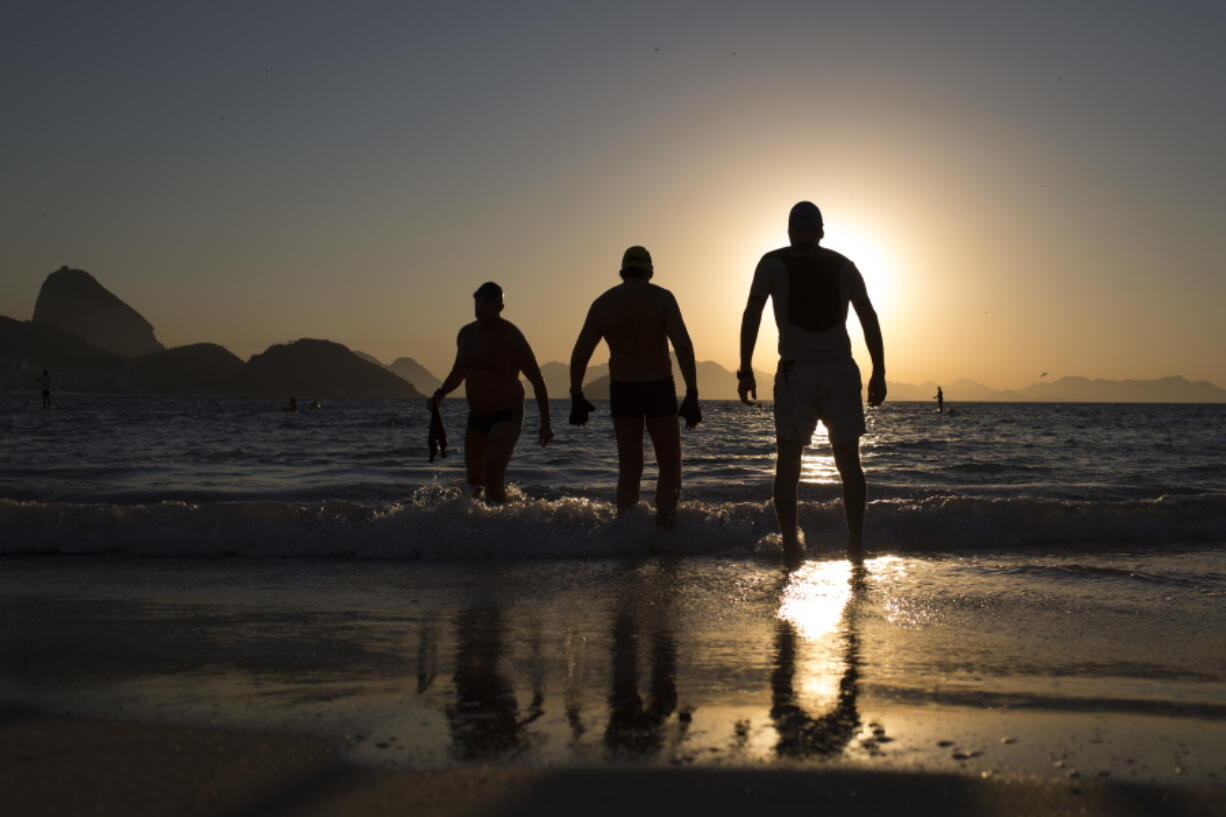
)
(74, 301)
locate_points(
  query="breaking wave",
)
(442, 523)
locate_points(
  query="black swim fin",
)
(438, 435)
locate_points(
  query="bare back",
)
(633, 318)
(491, 356)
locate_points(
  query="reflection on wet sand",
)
(635, 728)
(813, 643)
(427, 655)
(484, 719)
(801, 734)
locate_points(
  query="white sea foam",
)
(439, 523)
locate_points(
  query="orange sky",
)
(1030, 190)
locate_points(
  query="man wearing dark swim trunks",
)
(817, 379)
(490, 354)
(638, 319)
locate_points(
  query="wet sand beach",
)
(56, 766)
(323, 687)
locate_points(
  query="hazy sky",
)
(1027, 187)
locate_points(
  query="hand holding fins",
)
(689, 410)
(580, 408)
(437, 440)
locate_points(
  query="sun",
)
(875, 260)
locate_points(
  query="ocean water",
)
(201, 476)
(1045, 593)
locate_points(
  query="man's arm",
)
(527, 364)
(751, 321)
(456, 376)
(876, 349)
(674, 327)
(589, 336)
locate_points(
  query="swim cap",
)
(636, 258)
(490, 291)
(804, 215)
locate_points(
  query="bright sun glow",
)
(815, 598)
(875, 260)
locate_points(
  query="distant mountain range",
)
(92, 341)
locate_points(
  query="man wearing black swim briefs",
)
(638, 319)
(490, 354)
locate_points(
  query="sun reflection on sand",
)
(814, 684)
(816, 595)
(814, 598)
(817, 602)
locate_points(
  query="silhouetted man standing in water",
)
(490, 354)
(45, 381)
(817, 379)
(638, 319)
(940, 398)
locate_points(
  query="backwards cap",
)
(636, 258)
(804, 215)
(489, 290)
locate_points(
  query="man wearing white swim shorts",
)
(817, 379)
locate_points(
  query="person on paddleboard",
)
(638, 320)
(44, 381)
(491, 353)
(817, 379)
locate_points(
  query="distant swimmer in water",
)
(314, 404)
(817, 378)
(940, 398)
(490, 355)
(44, 381)
(293, 404)
(638, 319)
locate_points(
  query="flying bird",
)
(1043, 375)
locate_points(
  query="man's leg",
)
(499, 444)
(665, 435)
(629, 433)
(847, 459)
(474, 460)
(787, 478)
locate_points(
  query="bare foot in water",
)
(793, 551)
(665, 517)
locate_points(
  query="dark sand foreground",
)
(59, 766)
(240, 687)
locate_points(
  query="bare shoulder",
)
(660, 293)
(776, 255)
(660, 298)
(466, 332)
(608, 295)
(606, 300)
(510, 328)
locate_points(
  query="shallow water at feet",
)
(201, 476)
